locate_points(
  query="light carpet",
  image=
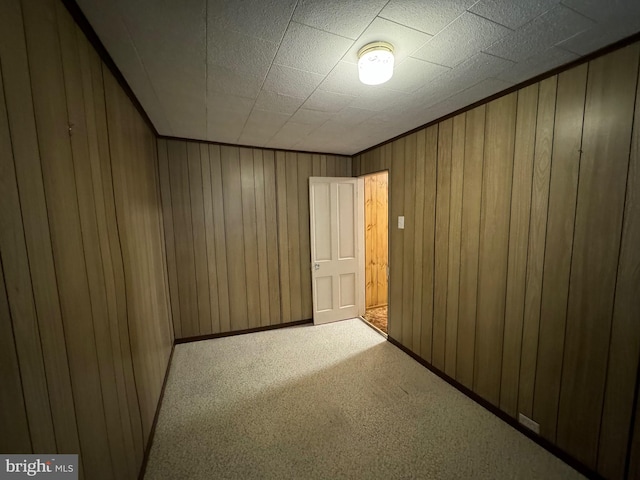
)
(328, 402)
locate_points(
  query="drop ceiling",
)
(283, 73)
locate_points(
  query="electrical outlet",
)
(401, 222)
(530, 424)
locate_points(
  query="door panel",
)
(337, 248)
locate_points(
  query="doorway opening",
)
(376, 241)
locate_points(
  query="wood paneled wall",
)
(85, 332)
(376, 213)
(518, 271)
(237, 234)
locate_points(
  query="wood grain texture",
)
(82, 196)
(250, 234)
(469, 244)
(207, 196)
(494, 241)
(240, 226)
(19, 104)
(167, 211)
(13, 416)
(304, 228)
(409, 246)
(565, 166)
(518, 243)
(196, 200)
(234, 233)
(624, 349)
(537, 236)
(455, 226)
(611, 89)
(376, 232)
(394, 158)
(428, 240)
(441, 267)
(418, 241)
(220, 238)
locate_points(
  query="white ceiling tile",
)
(605, 11)
(225, 129)
(266, 121)
(310, 49)
(544, 31)
(219, 102)
(327, 101)
(293, 131)
(274, 102)
(413, 74)
(239, 53)
(465, 36)
(223, 80)
(347, 19)
(310, 117)
(429, 17)
(465, 75)
(512, 14)
(266, 19)
(591, 40)
(204, 68)
(343, 79)
(541, 62)
(253, 139)
(377, 98)
(479, 91)
(291, 82)
(352, 116)
(405, 40)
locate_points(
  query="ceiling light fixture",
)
(375, 63)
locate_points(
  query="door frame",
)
(370, 174)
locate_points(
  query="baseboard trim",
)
(152, 433)
(242, 332)
(546, 444)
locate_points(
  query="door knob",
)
(316, 266)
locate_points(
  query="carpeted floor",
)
(377, 316)
(326, 402)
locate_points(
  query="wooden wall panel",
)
(250, 231)
(13, 415)
(455, 227)
(494, 240)
(428, 240)
(624, 351)
(518, 243)
(611, 89)
(565, 167)
(394, 155)
(469, 245)
(409, 238)
(441, 270)
(376, 233)
(542, 183)
(83, 268)
(196, 200)
(242, 216)
(537, 236)
(418, 288)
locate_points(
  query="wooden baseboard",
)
(242, 332)
(544, 443)
(147, 450)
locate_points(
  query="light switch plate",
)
(401, 222)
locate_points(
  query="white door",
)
(337, 248)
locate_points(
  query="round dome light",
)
(375, 63)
